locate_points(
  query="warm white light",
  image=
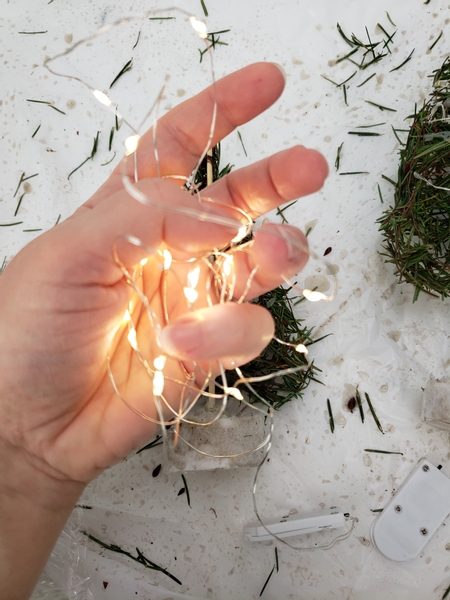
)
(301, 348)
(193, 277)
(228, 264)
(232, 391)
(101, 97)
(131, 143)
(190, 294)
(158, 383)
(167, 259)
(143, 262)
(240, 234)
(313, 296)
(159, 362)
(132, 338)
(199, 27)
(126, 317)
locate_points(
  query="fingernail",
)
(182, 338)
(283, 72)
(296, 243)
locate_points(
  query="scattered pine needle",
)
(188, 497)
(330, 414)
(372, 410)
(382, 451)
(140, 558)
(338, 157)
(360, 407)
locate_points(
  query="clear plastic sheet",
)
(64, 576)
(380, 341)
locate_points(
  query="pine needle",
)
(127, 67)
(188, 497)
(338, 157)
(382, 451)
(330, 415)
(372, 410)
(360, 407)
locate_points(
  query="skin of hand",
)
(63, 298)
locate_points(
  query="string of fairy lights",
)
(210, 278)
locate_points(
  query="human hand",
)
(64, 297)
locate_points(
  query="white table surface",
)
(381, 341)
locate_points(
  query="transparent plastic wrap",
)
(436, 403)
(64, 576)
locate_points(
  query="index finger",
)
(182, 134)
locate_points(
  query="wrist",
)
(34, 506)
(23, 477)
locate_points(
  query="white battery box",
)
(413, 514)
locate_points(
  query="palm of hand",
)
(59, 403)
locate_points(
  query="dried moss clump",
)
(416, 230)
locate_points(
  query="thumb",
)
(236, 331)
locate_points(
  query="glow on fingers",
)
(220, 285)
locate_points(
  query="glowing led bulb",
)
(158, 377)
(193, 277)
(132, 338)
(167, 259)
(131, 143)
(199, 27)
(158, 383)
(126, 317)
(313, 296)
(101, 97)
(232, 391)
(190, 294)
(240, 234)
(159, 362)
(228, 264)
(143, 262)
(189, 291)
(301, 348)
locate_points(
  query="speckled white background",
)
(380, 340)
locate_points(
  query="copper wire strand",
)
(248, 285)
(100, 32)
(209, 280)
(328, 546)
(180, 412)
(244, 453)
(428, 182)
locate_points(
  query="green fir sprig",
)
(140, 558)
(416, 230)
(213, 40)
(201, 178)
(289, 328)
